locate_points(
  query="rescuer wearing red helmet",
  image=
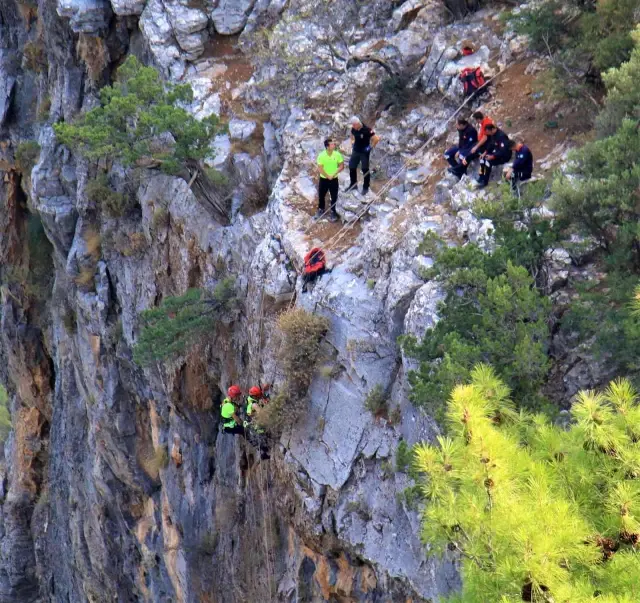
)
(231, 423)
(256, 400)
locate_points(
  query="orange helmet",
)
(255, 391)
(234, 391)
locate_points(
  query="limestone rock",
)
(125, 8)
(230, 16)
(240, 129)
(86, 16)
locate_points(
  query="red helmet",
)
(234, 391)
(255, 391)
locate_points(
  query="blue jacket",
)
(499, 145)
(523, 163)
(467, 137)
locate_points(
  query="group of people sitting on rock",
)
(492, 147)
(238, 413)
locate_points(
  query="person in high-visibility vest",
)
(257, 436)
(231, 422)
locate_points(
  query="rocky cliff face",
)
(93, 505)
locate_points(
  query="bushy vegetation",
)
(141, 120)
(583, 39)
(599, 202)
(376, 401)
(493, 311)
(5, 415)
(298, 355)
(102, 195)
(182, 321)
(26, 155)
(536, 512)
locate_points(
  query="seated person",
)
(467, 137)
(522, 166)
(477, 149)
(497, 152)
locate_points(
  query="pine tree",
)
(141, 120)
(182, 321)
(537, 512)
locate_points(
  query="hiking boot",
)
(318, 215)
(454, 172)
(334, 217)
(351, 187)
(365, 192)
(480, 184)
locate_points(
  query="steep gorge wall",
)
(90, 507)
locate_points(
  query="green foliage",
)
(5, 415)
(603, 200)
(544, 24)
(376, 401)
(404, 456)
(536, 512)
(182, 321)
(605, 317)
(141, 120)
(606, 32)
(102, 195)
(492, 312)
(623, 92)
(26, 155)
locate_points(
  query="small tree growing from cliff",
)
(182, 321)
(141, 121)
(537, 512)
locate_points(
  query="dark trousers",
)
(327, 186)
(518, 177)
(486, 165)
(466, 154)
(358, 158)
(236, 430)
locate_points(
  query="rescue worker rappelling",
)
(230, 411)
(256, 435)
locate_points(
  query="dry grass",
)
(34, 56)
(84, 278)
(93, 51)
(153, 460)
(132, 244)
(92, 240)
(299, 355)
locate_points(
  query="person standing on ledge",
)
(363, 140)
(330, 164)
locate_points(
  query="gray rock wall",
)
(116, 483)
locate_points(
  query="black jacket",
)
(499, 145)
(467, 137)
(523, 163)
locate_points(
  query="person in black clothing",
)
(363, 139)
(467, 137)
(497, 152)
(522, 166)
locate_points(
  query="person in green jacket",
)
(231, 422)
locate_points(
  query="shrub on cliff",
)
(491, 313)
(141, 120)
(5, 416)
(536, 512)
(182, 321)
(298, 356)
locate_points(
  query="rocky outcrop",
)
(116, 482)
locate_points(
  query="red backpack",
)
(314, 262)
(472, 80)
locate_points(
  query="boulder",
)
(240, 129)
(124, 8)
(86, 16)
(230, 16)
